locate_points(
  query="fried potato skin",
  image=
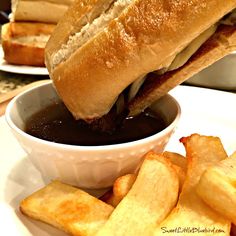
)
(123, 184)
(67, 208)
(78, 213)
(217, 188)
(151, 198)
(180, 165)
(191, 212)
(177, 159)
(121, 187)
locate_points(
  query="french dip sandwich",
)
(121, 54)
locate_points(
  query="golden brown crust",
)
(79, 14)
(191, 212)
(139, 41)
(16, 52)
(17, 29)
(48, 11)
(67, 208)
(219, 45)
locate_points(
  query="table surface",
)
(11, 81)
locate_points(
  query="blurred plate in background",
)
(220, 75)
(20, 69)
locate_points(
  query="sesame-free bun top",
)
(99, 47)
(23, 43)
(47, 11)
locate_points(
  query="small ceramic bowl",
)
(90, 167)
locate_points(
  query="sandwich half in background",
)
(23, 43)
(115, 55)
(47, 11)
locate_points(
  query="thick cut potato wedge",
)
(177, 159)
(150, 199)
(180, 165)
(233, 155)
(67, 208)
(121, 187)
(192, 215)
(217, 187)
(124, 183)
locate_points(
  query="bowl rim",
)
(60, 146)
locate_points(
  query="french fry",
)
(217, 187)
(121, 187)
(124, 183)
(180, 165)
(192, 215)
(177, 159)
(233, 155)
(67, 208)
(151, 198)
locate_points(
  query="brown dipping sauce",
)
(55, 123)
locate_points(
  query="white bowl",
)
(89, 167)
(220, 75)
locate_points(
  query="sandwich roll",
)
(47, 11)
(219, 45)
(24, 43)
(101, 48)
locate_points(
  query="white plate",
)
(30, 70)
(204, 111)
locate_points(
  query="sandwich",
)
(23, 43)
(122, 55)
(47, 11)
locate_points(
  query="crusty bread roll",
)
(219, 45)
(48, 11)
(24, 43)
(100, 48)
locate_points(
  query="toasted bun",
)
(219, 45)
(48, 11)
(143, 37)
(24, 43)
